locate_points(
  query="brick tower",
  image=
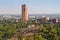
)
(24, 13)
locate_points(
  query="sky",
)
(34, 6)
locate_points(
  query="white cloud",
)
(45, 11)
(10, 11)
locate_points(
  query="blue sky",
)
(34, 6)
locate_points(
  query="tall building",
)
(24, 13)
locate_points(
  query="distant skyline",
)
(34, 6)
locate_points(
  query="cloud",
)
(10, 11)
(18, 11)
(45, 11)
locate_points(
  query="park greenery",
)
(45, 32)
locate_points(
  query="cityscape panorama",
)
(27, 26)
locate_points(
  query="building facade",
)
(24, 13)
